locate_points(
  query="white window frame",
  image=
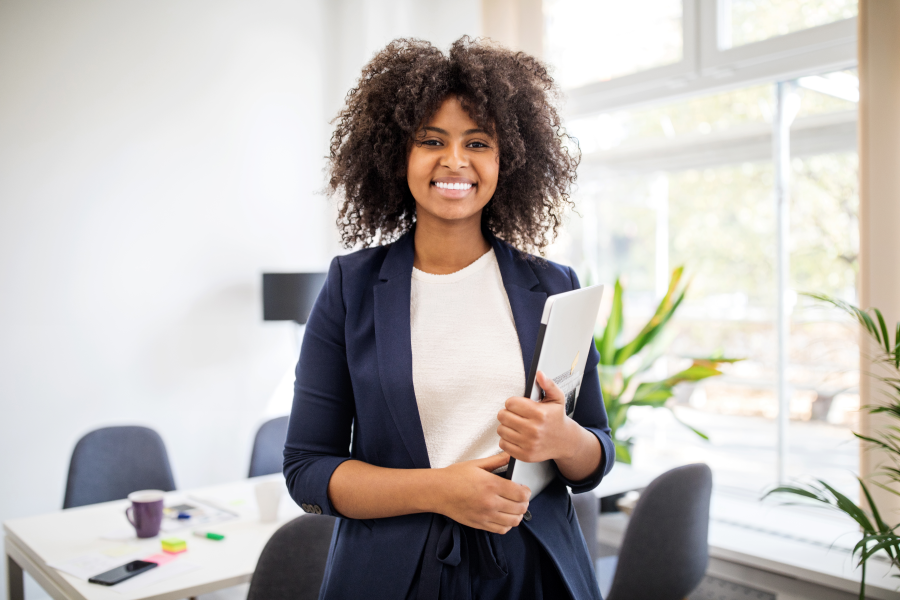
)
(708, 68)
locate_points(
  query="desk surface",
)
(35, 541)
(624, 478)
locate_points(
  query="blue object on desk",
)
(183, 515)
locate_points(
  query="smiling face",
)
(452, 167)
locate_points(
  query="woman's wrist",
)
(433, 493)
(573, 440)
(582, 456)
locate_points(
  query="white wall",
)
(155, 158)
(362, 27)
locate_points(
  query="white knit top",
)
(466, 359)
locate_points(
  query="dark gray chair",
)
(665, 551)
(268, 448)
(110, 463)
(292, 565)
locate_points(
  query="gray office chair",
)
(665, 551)
(292, 565)
(268, 448)
(110, 463)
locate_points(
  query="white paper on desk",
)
(87, 565)
(209, 513)
(161, 573)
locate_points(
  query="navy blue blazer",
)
(355, 369)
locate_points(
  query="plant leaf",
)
(623, 454)
(663, 313)
(613, 328)
(650, 330)
(696, 431)
(695, 372)
(884, 331)
(651, 394)
(849, 508)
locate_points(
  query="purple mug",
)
(145, 512)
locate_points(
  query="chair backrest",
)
(292, 565)
(110, 463)
(268, 448)
(665, 551)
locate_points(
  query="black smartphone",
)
(114, 576)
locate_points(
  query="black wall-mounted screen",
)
(290, 296)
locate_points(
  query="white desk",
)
(33, 542)
(624, 478)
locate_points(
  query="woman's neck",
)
(444, 248)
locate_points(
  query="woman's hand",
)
(537, 431)
(472, 495)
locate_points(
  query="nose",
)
(454, 158)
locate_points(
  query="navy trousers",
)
(460, 562)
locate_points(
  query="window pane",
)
(596, 40)
(719, 222)
(824, 353)
(828, 93)
(698, 116)
(756, 20)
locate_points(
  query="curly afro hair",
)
(509, 94)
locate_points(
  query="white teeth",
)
(452, 186)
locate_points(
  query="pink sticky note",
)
(161, 558)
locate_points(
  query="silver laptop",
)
(564, 340)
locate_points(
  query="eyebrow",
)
(444, 132)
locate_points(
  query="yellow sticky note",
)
(174, 545)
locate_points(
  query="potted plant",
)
(876, 535)
(622, 364)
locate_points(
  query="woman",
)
(419, 346)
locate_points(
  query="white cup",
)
(268, 496)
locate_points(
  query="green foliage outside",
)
(877, 534)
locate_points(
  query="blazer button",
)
(305, 507)
(527, 515)
(317, 509)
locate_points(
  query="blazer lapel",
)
(527, 304)
(394, 346)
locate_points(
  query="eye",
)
(431, 143)
(478, 145)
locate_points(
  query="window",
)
(748, 21)
(686, 175)
(598, 40)
(612, 56)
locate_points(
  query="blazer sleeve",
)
(319, 429)
(590, 413)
